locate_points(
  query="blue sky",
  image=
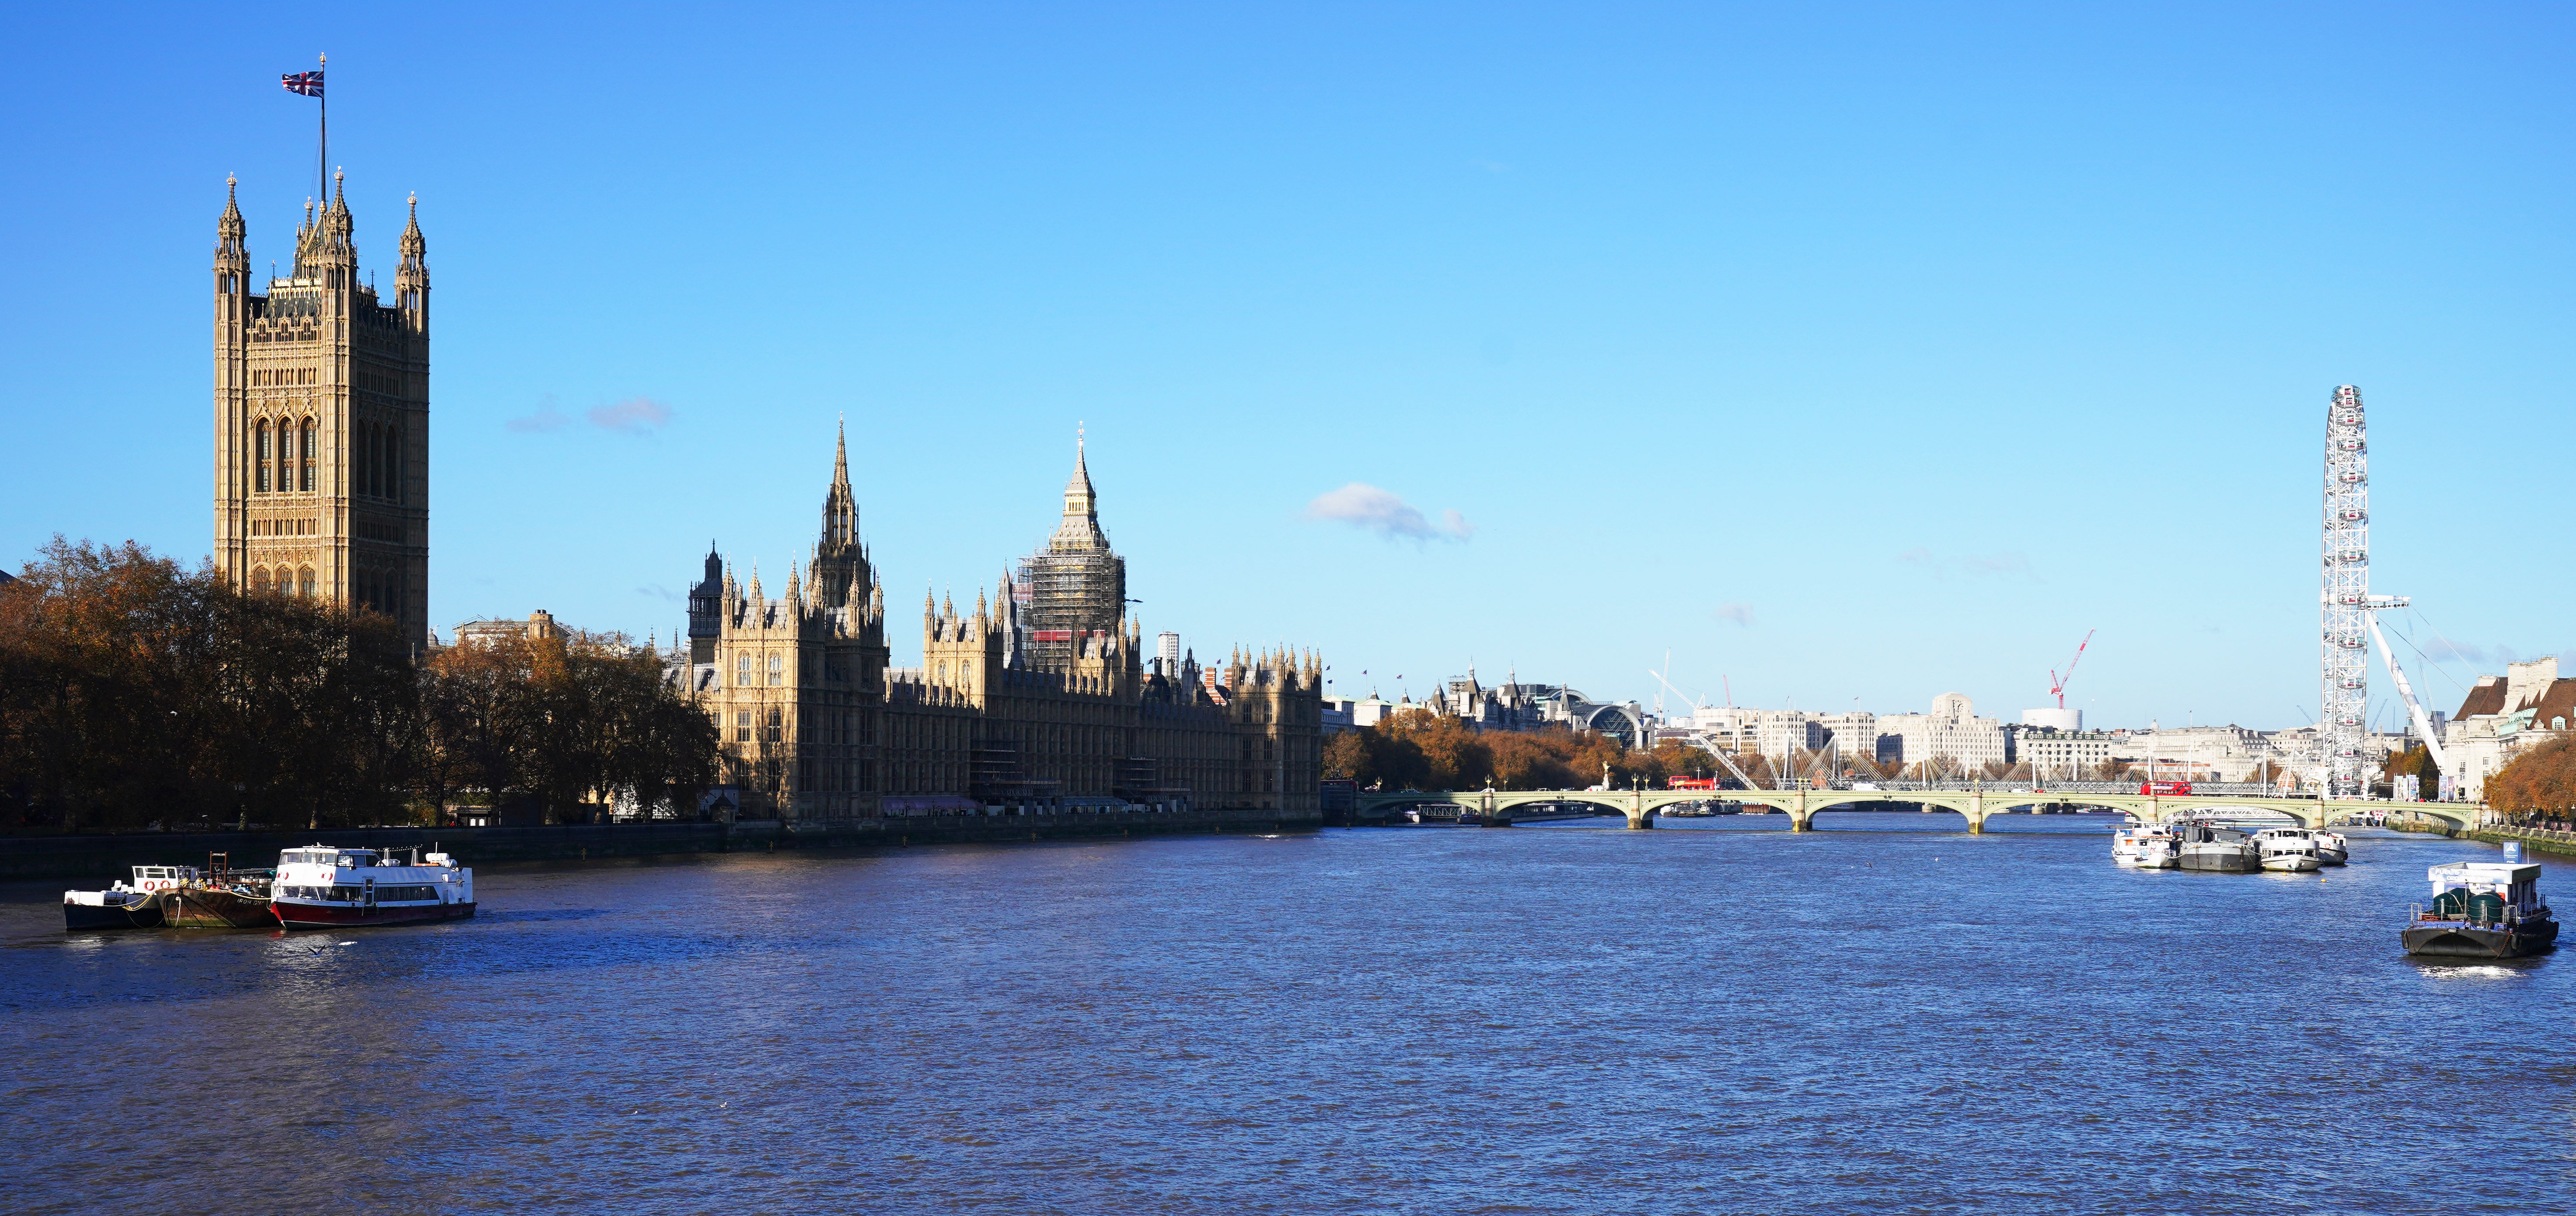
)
(1854, 354)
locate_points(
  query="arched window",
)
(259, 579)
(308, 455)
(2558, 724)
(742, 670)
(263, 455)
(393, 464)
(310, 588)
(777, 670)
(364, 474)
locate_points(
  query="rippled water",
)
(1718, 1016)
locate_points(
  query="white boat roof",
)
(2484, 871)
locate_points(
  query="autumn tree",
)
(2416, 762)
(135, 693)
(2539, 782)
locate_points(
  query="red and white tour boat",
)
(322, 886)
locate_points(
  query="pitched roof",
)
(2556, 701)
(2486, 698)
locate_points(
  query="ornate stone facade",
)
(322, 420)
(818, 729)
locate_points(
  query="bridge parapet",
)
(1973, 803)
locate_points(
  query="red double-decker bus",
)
(2165, 787)
(1690, 783)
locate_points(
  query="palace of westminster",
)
(1042, 696)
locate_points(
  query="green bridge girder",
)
(1640, 806)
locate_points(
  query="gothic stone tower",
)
(1077, 585)
(322, 421)
(798, 683)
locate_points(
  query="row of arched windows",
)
(285, 453)
(379, 472)
(380, 590)
(285, 580)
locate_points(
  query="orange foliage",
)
(2542, 779)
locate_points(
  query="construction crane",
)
(2397, 675)
(1718, 752)
(2056, 682)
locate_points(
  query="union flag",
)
(307, 83)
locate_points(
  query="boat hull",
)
(201, 908)
(142, 915)
(2290, 865)
(351, 916)
(2457, 940)
(2222, 863)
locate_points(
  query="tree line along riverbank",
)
(30, 858)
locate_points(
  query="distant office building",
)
(1337, 715)
(2054, 719)
(1776, 731)
(2060, 755)
(1853, 733)
(2207, 753)
(1167, 651)
(1952, 730)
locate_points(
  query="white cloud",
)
(1365, 506)
(547, 418)
(1741, 614)
(633, 416)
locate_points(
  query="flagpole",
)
(322, 157)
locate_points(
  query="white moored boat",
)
(2326, 847)
(2331, 849)
(2146, 848)
(2287, 851)
(321, 886)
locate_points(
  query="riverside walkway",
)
(1972, 801)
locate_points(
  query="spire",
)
(1079, 532)
(840, 506)
(335, 218)
(231, 254)
(411, 280)
(1078, 498)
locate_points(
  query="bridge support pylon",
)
(1639, 818)
(1977, 813)
(1800, 818)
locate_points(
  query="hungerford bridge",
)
(1974, 802)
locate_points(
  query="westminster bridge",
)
(1972, 801)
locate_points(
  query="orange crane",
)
(2056, 682)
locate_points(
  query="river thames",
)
(1717, 1016)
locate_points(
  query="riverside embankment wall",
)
(101, 858)
(2531, 838)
